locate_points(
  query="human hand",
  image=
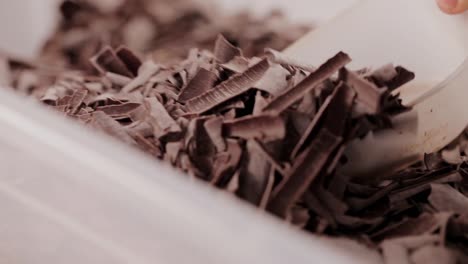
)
(453, 6)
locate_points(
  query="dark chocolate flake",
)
(403, 76)
(236, 65)
(224, 51)
(107, 60)
(146, 71)
(263, 127)
(229, 89)
(77, 100)
(125, 109)
(304, 172)
(129, 58)
(289, 97)
(226, 163)
(254, 175)
(203, 81)
(214, 129)
(163, 124)
(111, 127)
(368, 94)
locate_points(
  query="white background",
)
(25, 23)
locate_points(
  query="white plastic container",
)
(68, 195)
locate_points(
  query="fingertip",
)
(448, 6)
(453, 6)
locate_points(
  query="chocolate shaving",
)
(147, 70)
(107, 60)
(226, 164)
(118, 79)
(214, 129)
(304, 172)
(129, 58)
(163, 124)
(125, 109)
(324, 72)
(236, 65)
(254, 175)
(404, 76)
(112, 127)
(368, 94)
(203, 81)
(224, 51)
(310, 128)
(227, 90)
(147, 145)
(277, 164)
(263, 127)
(77, 100)
(318, 153)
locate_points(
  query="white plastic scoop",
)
(418, 36)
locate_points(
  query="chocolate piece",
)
(368, 94)
(112, 127)
(267, 190)
(214, 129)
(148, 146)
(236, 65)
(224, 51)
(304, 172)
(116, 111)
(203, 81)
(107, 60)
(404, 76)
(317, 154)
(76, 100)
(254, 175)
(279, 166)
(226, 164)
(422, 225)
(227, 90)
(324, 72)
(146, 71)
(118, 79)
(263, 127)
(129, 58)
(163, 124)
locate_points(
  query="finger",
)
(453, 6)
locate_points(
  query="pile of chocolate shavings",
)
(165, 29)
(266, 129)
